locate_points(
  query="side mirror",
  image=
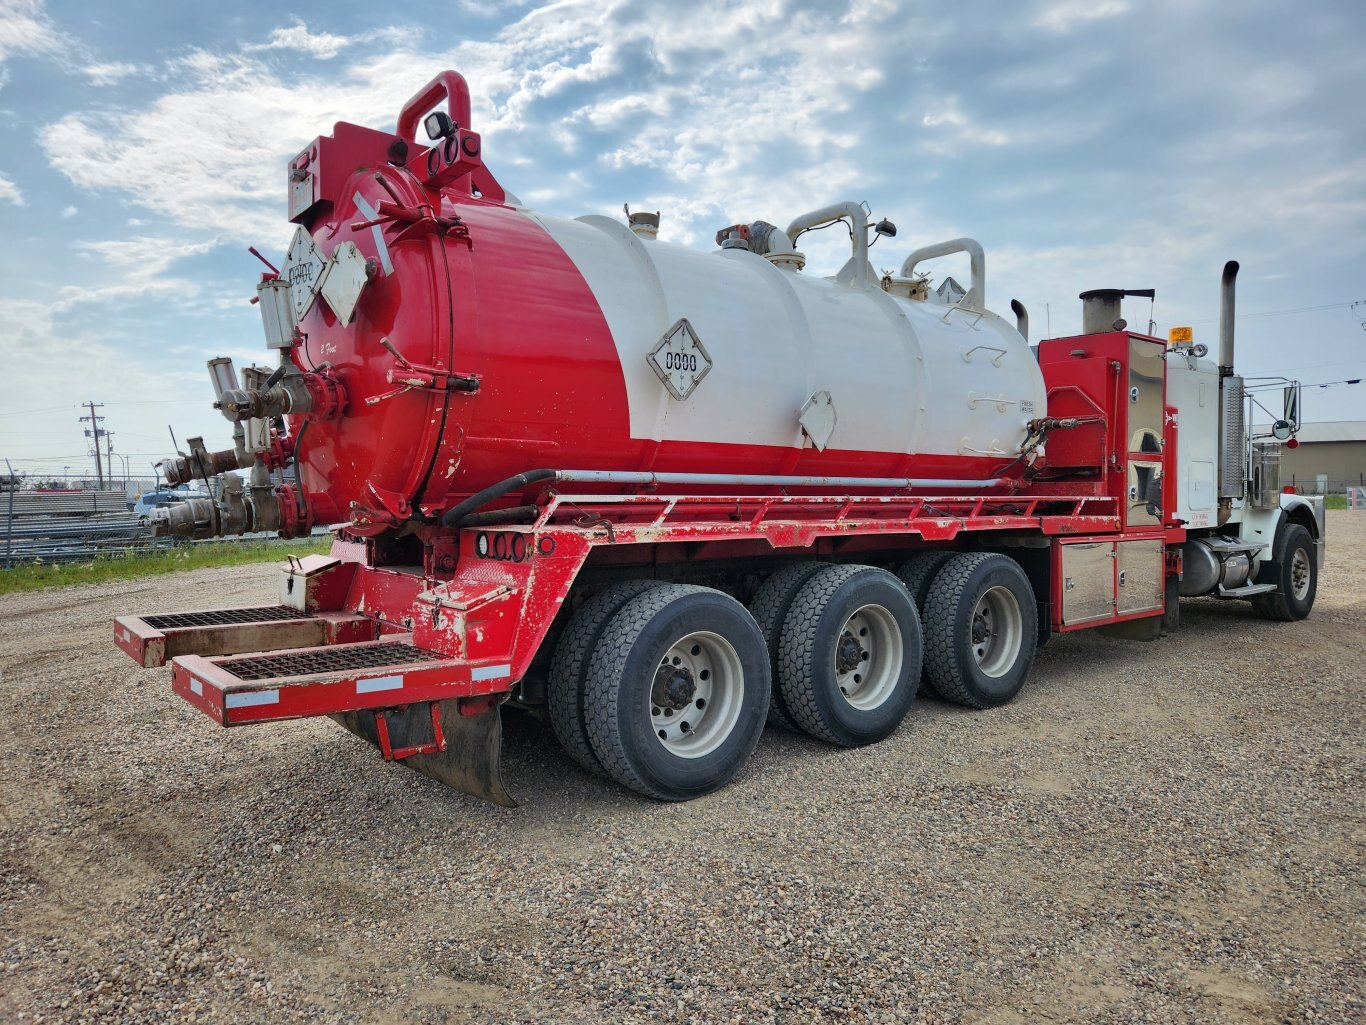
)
(1291, 408)
(1281, 430)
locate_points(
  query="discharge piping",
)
(976, 299)
(858, 221)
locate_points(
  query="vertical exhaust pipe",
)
(1226, 302)
(1233, 461)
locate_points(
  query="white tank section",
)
(903, 376)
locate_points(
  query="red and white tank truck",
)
(668, 496)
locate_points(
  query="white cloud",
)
(322, 45)
(68, 212)
(958, 131)
(26, 29)
(144, 257)
(693, 125)
(1064, 15)
(112, 72)
(9, 192)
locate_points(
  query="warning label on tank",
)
(680, 359)
(303, 270)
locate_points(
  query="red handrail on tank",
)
(453, 87)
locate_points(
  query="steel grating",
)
(224, 617)
(323, 661)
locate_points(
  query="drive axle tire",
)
(850, 656)
(981, 629)
(569, 668)
(770, 608)
(677, 691)
(1295, 572)
(918, 573)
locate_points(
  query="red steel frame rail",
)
(474, 635)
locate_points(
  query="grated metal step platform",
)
(235, 690)
(154, 640)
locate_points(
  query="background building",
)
(1330, 456)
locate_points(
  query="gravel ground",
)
(1165, 832)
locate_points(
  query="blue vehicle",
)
(155, 505)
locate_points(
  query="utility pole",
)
(95, 433)
(109, 454)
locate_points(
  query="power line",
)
(1256, 314)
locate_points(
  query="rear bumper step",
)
(153, 641)
(234, 690)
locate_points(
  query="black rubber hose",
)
(494, 517)
(455, 515)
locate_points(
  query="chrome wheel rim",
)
(1300, 573)
(996, 631)
(697, 694)
(869, 655)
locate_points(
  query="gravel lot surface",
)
(1166, 832)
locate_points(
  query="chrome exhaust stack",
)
(1226, 303)
(1232, 426)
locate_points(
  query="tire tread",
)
(943, 659)
(569, 669)
(801, 633)
(769, 609)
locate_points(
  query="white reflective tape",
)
(127, 637)
(379, 683)
(196, 686)
(377, 231)
(246, 699)
(490, 673)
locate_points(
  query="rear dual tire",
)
(676, 692)
(569, 669)
(981, 629)
(849, 655)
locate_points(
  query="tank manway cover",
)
(680, 359)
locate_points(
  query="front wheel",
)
(1295, 572)
(677, 692)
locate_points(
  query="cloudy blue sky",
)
(1085, 143)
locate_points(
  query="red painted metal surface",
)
(211, 686)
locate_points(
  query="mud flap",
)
(471, 761)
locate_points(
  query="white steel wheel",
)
(997, 631)
(1301, 573)
(849, 666)
(869, 657)
(697, 695)
(677, 692)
